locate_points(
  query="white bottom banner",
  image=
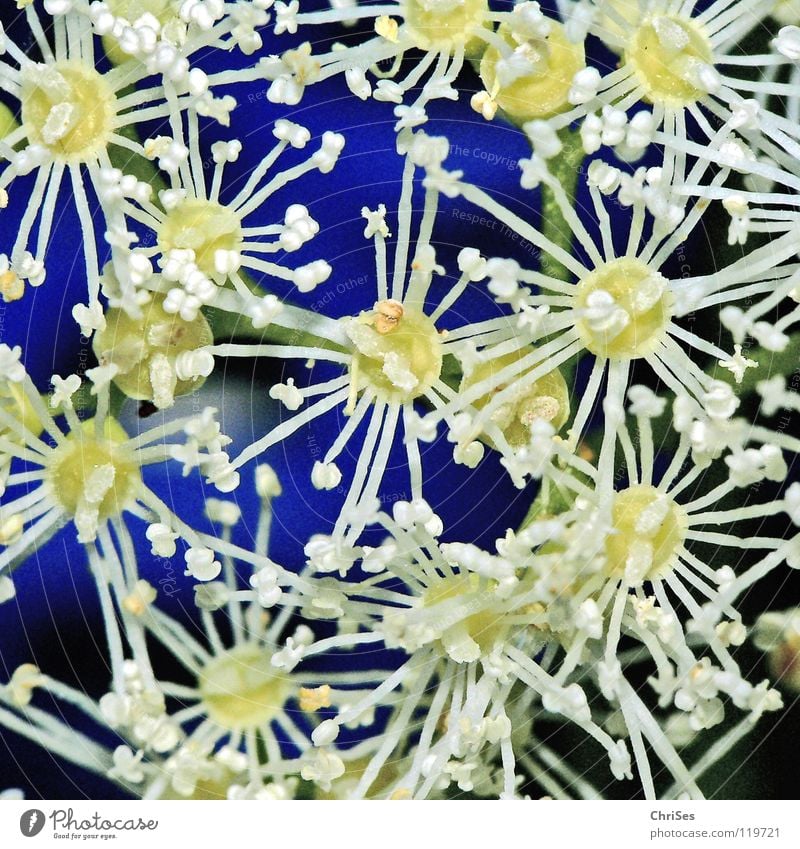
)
(345, 825)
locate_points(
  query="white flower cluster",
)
(643, 403)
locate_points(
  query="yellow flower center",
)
(166, 12)
(546, 398)
(202, 226)
(14, 402)
(615, 19)
(100, 472)
(665, 52)
(535, 81)
(132, 10)
(68, 108)
(482, 629)
(649, 529)
(398, 352)
(8, 123)
(623, 308)
(786, 12)
(443, 24)
(143, 346)
(241, 689)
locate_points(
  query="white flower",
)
(267, 483)
(162, 539)
(127, 765)
(224, 512)
(323, 768)
(200, 564)
(325, 733)
(265, 583)
(288, 394)
(376, 221)
(326, 476)
(308, 277)
(10, 366)
(620, 761)
(286, 17)
(263, 311)
(25, 679)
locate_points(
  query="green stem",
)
(8, 123)
(565, 168)
(551, 500)
(134, 163)
(233, 327)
